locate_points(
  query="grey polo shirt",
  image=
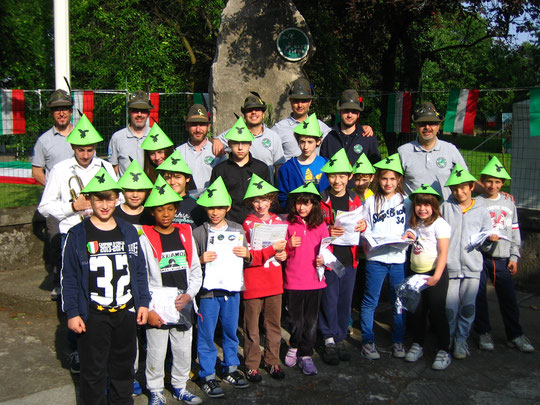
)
(285, 129)
(51, 148)
(201, 163)
(123, 145)
(431, 167)
(266, 147)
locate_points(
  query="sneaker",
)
(276, 372)
(330, 354)
(398, 350)
(486, 342)
(370, 352)
(522, 343)
(182, 394)
(253, 375)
(414, 353)
(211, 388)
(307, 365)
(442, 360)
(137, 389)
(74, 365)
(236, 379)
(55, 294)
(342, 352)
(461, 349)
(156, 398)
(291, 358)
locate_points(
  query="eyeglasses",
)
(60, 109)
(428, 124)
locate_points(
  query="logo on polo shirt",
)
(266, 143)
(209, 160)
(358, 149)
(441, 162)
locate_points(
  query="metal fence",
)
(110, 115)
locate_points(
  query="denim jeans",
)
(376, 272)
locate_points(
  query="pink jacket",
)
(300, 270)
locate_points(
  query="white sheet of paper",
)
(479, 238)
(264, 235)
(329, 259)
(348, 220)
(227, 271)
(163, 303)
(393, 241)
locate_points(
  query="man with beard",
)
(127, 142)
(348, 134)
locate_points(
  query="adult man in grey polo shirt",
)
(126, 142)
(197, 151)
(51, 147)
(266, 146)
(428, 160)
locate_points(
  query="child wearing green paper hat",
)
(500, 262)
(386, 214)
(157, 147)
(468, 217)
(302, 283)
(237, 170)
(363, 174)
(104, 310)
(428, 257)
(173, 268)
(220, 294)
(306, 167)
(135, 186)
(263, 284)
(178, 175)
(335, 310)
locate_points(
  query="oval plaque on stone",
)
(293, 44)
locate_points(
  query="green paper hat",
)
(102, 181)
(175, 163)
(494, 168)
(363, 165)
(310, 127)
(339, 163)
(259, 187)
(239, 132)
(161, 194)
(216, 195)
(459, 176)
(134, 178)
(84, 133)
(425, 189)
(306, 188)
(392, 162)
(156, 139)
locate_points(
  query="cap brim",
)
(60, 103)
(198, 118)
(244, 109)
(300, 97)
(141, 105)
(350, 106)
(431, 118)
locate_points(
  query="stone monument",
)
(247, 57)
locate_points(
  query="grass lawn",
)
(18, 195)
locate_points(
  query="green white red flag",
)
(16, 172)
(398, 117)
(12, 108)
(83, 101)
(461, 111)
(534, 109)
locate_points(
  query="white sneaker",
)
(398, 350)
(522, 343)
(442, 360)
(370, 352)
(414, 353)
(486, 342)
(461, 350)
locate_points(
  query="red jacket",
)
(263, 278)
(155, 240)
(328, 214)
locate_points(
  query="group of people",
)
(176, 243)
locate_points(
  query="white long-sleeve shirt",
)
(56, 199)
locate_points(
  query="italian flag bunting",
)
(461, 111)
(12, 108)
(154, 112)
(83, 101)
(398, 118)
(16, 173)
(534, 108)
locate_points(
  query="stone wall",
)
(247, 59)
